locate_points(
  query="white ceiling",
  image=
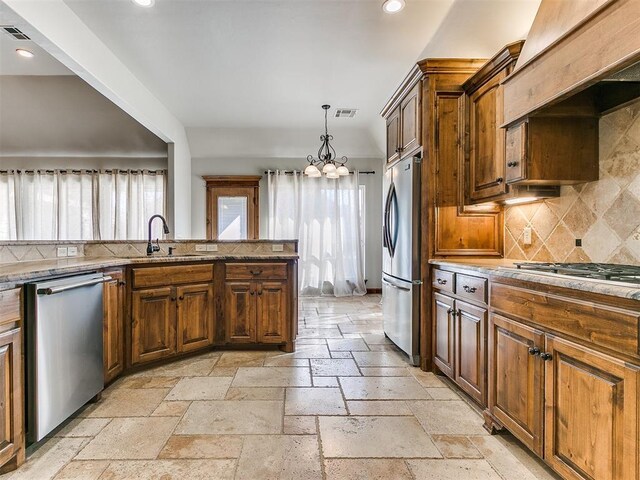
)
(269, 63)
(13, 64)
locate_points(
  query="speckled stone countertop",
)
(506, 268)
(18, 272)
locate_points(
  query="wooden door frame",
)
(250, 183)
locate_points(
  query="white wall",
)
(257, 166)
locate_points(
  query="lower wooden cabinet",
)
(592, 419)
(11, 402)
(460, 343)
(153, 330)
(195, 317)
(256, 311)
(516, 374)
(113, 326)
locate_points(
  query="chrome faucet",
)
(151, 247)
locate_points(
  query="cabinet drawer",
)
(471, 287)
(172, 275)
(10, 307)
(245, 271)
(443, 280)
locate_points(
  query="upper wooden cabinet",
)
(393, 136)
(486, 146)
(554, 150)
(403, 117)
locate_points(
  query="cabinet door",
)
(444, 320)
(11, 405)
(487, 142)
(591, 419)
(470, 347)
(393, 136)
(153, 333)
(516, 152)
(113, 326)
(240, 312)
(410, 121)
(195, 317)
(516, 379)
(272, 312)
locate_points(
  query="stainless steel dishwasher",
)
(64, 349)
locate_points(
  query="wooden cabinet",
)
(113, 326)
(470, 348)
(240, 311)
(516, 379)
(393, 136)
(444, 315)
(486, 150)
(591, 421)
(257, 303)
(195, 317)
(153, 332)
(573, 157)
(403, 126)
(460, 333)
(12, 441)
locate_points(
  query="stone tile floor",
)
(345, 405)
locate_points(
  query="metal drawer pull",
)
(534, 351)
(450, 311)
(54, 290)
(546, 356)
(512, 164)
(469, 289)
(499, 180)
(256, 272)
(441, 281)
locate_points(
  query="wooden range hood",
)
(582, 57)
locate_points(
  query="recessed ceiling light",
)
(144, 3)
(24, 53)
(393, 6)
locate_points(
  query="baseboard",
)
(373, 291)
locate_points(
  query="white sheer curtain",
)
(324, 215)
(79, 205)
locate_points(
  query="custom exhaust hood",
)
(581, 58)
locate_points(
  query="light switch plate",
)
(526, 236)
(62, 251)
(201, 248)
(72, 251)
(212, 247)
(277, 247)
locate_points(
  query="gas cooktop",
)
(601, 271)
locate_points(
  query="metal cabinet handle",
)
(256, 272)
(441, 281)
(499, 180)
(173, 299)
(512, 164)
(252, 293)
(534, 351)
(181, 297)
(121, 283)
(450, 311)
(469, 289)
(546, 356)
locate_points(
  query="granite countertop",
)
(18, 272)
(506, 268)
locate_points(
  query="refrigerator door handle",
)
(395, 286)
(387, 212)
(396, 226)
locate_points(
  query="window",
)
(232, 207)
(79, 204)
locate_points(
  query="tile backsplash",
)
(604, 214)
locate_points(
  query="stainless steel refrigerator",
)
(401, 285)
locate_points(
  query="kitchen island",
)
(156, 309)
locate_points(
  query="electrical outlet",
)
(578, 242)
(212, 247)
(72, 251)
(526, 236)
(62, 251)
(201, 247)
(277, 247)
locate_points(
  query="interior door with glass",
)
(232, 213)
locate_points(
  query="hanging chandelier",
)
(326, 162)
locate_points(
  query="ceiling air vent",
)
(346, 112)
(15, 32)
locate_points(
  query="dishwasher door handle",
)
(64, 288)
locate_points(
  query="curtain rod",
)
(291, 172)
(80, 171)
